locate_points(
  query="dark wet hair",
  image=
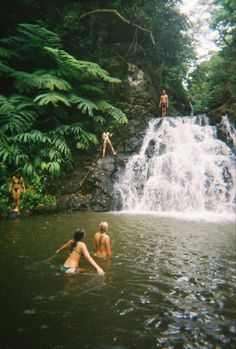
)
(78, 236)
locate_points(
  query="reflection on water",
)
(170, 284)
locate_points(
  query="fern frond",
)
(99, 119)
(17, 113)
(76, 132)
(37, 35)
(28, 169)
(61, 145)
(6, 52)
(116, 113)
(13, 155)
(6, 107)
(51, 98)
(40, 80)
(4, 68)
(19, 122)
(84, 104)
(54, 168)
(48, 81)
(33, 137)
(83, 69)
(90, 88)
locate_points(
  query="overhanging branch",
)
(116, 13)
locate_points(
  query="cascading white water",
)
(181, 167)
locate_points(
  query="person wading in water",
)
(77, 248)
(101, 241)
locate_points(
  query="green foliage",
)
(51, 107)
(213, 84)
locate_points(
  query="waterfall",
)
(181, 167)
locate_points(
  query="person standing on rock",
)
(164, 103)
(106, 141)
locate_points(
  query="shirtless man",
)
(164, 103)
(106, 140)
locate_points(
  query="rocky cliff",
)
(90, 185)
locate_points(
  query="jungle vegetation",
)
(58, 59)
(212, 85)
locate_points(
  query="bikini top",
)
(74, 250)
(100, 243)
(106, 136)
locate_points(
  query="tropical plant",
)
(213, 83)
(53, 104)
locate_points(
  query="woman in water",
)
(17, 184)
(101, 241)
(77, 248)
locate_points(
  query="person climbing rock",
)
(106, 141)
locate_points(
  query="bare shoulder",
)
(107, 237)
(82, 245)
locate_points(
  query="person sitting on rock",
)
(106, 141)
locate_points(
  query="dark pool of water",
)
(170, 284)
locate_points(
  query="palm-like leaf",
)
(84, 104)
(38, 35)
(33, 137)
(91, 88)
(6, 53)
(17, 113)
(116, 113)
(53, 98)
(5, 69)
(39, 80)
(82, 69)
(69, 82)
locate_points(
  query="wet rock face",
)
(90, 186)
(223, 133)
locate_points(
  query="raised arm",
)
(64, 247)
(91, 260)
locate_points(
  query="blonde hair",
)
(103, 227)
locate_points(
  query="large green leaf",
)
(53, 98)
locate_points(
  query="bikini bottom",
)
(64, 268)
